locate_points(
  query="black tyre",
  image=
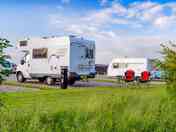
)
(64, 83)
(20, 77)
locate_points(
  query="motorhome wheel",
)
(63, 83)
(20, 77)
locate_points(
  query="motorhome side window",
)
(116, 65)
(89, 53)
(40, 53)
(120, 65)
(123, 65)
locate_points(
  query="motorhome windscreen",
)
(40, 53)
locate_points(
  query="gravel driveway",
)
(94, 84)
(79, 83)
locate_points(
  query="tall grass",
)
(133, 110)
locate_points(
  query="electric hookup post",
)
(64, 77)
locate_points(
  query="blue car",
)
(6, 66)
(157, 74)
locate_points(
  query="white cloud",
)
(152, 13)
(138, 13)
(142, 5)
(100, 25)
(119, 9)
(165, 21)
(103, 2)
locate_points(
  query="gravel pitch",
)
(77, 84)
(91, 84)
(94, 84)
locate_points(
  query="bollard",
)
(64, 77)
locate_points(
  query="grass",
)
(28, 85)
(106, 80)
(89, 110)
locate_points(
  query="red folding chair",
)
(145, 76)
(129, 76)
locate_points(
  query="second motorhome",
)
(44, 58)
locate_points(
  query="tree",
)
(169, 63)
(4, 43)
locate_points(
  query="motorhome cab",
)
(44, 58)
(119, 66)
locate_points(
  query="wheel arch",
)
(17, 72)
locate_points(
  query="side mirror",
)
(22, 62)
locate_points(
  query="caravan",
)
(44, 58)
(119, 66)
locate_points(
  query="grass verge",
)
(89, 110)
(28, 85)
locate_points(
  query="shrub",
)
(4, 43)
(169, 64)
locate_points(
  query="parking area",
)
(78, 84)
(88, 84)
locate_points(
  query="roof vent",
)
(45, 37)
(23, 43)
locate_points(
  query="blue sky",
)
(133, 28)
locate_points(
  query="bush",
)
(169, 64)
(4, 43)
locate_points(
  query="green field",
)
(143, 109)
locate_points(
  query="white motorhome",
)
(119, 66)
(45, 56)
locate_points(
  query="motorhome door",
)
(55, 63)
(26, 67)
(27, 62)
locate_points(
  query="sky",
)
(120, 28)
